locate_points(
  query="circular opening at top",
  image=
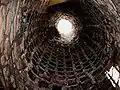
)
(64, 27)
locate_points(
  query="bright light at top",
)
(64, 27)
